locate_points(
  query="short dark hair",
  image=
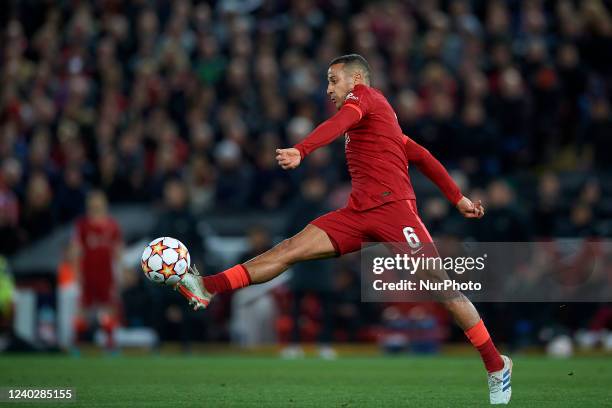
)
(354, 61)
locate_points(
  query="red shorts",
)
(395, 222)
(102, 295)
(97, 287)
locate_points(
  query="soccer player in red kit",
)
(98, 238)
(381, 206)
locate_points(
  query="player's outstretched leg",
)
(310, 243)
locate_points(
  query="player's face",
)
(339, 84)
(96, 206)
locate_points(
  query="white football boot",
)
(192, 288)
(500, 389)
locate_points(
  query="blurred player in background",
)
(97, 237)
(381, 207)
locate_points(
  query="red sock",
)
(480, 338)
(233, 278)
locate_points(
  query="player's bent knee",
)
(449, 298)
(433, 275)
(438, 276)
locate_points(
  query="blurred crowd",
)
(136, 98)
(126, 95)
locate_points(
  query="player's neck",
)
(359, 83)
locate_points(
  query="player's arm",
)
(323, 135)
(435, 171)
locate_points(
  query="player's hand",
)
(288, 158)
(470, 209)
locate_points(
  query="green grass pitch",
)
(243, 381)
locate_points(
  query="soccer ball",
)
(165, 260)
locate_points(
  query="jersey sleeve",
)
(329, 130)
(358, 100)
(432, 169)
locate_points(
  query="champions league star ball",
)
(165, 260)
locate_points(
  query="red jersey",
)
(98, 241)
(377, 152)
(374, 149)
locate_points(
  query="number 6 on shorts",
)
(411, 237)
